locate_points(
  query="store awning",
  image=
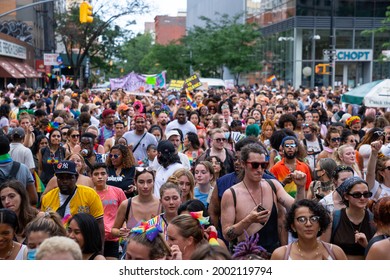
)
(8, 71)
(34, 73)
(21, 68)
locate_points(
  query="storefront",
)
(17, 63)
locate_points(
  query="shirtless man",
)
(241, 212)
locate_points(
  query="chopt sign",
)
(192, 83)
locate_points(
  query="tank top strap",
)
(328, 248)
(288, 250)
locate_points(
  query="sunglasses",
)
(75, 136)
(359, 194)
(290, 145)
(220, 139)
(387, 167)
(255, 164)
(114, 156)
(142, 169)
(313, 219)
(380, 133)
(336, 139)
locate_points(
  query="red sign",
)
(39, 66)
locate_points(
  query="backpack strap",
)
(234, 197)
(335, 223)
(320, 143)
(128, 209)
(14, 169)
(269, 181)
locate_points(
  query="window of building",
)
(344, 39)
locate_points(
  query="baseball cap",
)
(166, 147)
(18, 131)
(66, 167)
(172, 133)
(123, 107)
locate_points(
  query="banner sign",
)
(192, 83)
(50, 58)
(176, 85)
(12, 50)
(137, 82)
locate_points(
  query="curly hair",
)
(127, 156)
(314, 207)
(287, 118)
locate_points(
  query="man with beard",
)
(284, 169)
(139, 139)
(107, 130)
(87, 141)
(162, 120)
(70, 199)
(250, 206)
(181, 123)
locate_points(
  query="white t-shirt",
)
(313, 147)
(185, 128)
(162, 176)
(381, 189)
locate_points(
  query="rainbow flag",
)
(39, 186)
(189, 97)
(272, 79)
(51, 126)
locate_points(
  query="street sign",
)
(59, 60)
(329, 52)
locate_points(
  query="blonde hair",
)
(337, 157)
(59, 244)
(184, 172)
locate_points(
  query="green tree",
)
(174, 58)
(134, 51)
(98, 40)
(225, 42)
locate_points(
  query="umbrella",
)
(374, 94)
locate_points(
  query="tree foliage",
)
(98, 40)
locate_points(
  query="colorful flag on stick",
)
(272, 79)
(39, 186)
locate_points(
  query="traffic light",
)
(322, 69)
(86, 12)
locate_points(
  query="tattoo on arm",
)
(230, 234)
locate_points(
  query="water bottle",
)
(84, 152)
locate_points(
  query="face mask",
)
(354, 131)
(158, 138)
(10, 129)
(31, 253)
(308, 136)
(227, 135)
(316, 176)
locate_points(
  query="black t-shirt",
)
(124, 180)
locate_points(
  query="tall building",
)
(298, 41)
(169, 29)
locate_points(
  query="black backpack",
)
(12, 174)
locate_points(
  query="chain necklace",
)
(300, 252)
(353, 226)
(261, 194)
(9, 252)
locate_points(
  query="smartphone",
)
(260, 208)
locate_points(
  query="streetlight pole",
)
(331, 46)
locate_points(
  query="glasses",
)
(290, 145)
(142, 169)
(336, 139)
(114, 156)
(220, 139)
(359, 194)
(387, 167)
(305, 125)
(380, 133)
(56, 136)
(313, 219)
(256, 165)
(75, 136)
(119, 122)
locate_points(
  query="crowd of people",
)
(257, 172)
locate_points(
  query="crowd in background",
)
(253, 172)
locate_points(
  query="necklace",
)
(9, 253)
(300, 252)
(261, 194)
(353, 226)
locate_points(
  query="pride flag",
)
(39, 186)
(189, 97)
(272, 79)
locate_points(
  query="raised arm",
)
(371, 165)
(283, 197)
